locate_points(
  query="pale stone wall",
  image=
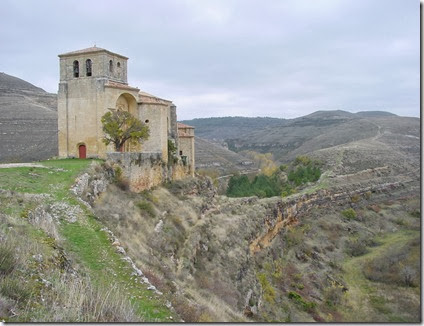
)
(155, 116)
(145, 170)
(78, 114)
(81, 104)
(186, 148)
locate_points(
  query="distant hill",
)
(287, 138)
(211, 155)
(375, 114)
(28, 121)
(230, 127)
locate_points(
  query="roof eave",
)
(75, 53)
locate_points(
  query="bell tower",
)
(91, 81)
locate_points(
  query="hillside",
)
(28, 121)
(343, 249)
(58, 262)
(288, 138)
(210, 155)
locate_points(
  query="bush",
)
(355, 198)
(400, 266)
(333, 295)
(8, 261)
(356, 248)
(14, 289)
(349, 213)
(121, 182)
(146, 207)
(268, 290)
(271, 184)
(188, 312)
(298, 299)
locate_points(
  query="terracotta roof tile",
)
(92, 49)
(183, 126)
(149, 98)
(120, 85)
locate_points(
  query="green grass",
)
(89, 247)
(55, 179)
(365, 300)
(106, 267)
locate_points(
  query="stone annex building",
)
(94, 81)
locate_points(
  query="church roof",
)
(184, 126)
(149, 98)
(120, 85)
(92, 49)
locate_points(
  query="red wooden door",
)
(82, 151)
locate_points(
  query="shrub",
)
(302, 159)
(298, 299)
(8, 261)
(349, 213)
(375, 208)
(356, 248)
(14, 289)
(187, 311)
(120, 181)
(294, 236)
(415, 213)
(86, 302)
(400, 266)
(355, 198)
(268, 290)
(268, 184)
(333, 295)
(147, 207)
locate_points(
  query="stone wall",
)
(146, 170)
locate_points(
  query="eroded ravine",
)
(287, 212)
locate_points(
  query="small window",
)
(118, 65)
(146, 121)
(88, 67)
(76, 68)
(111, 66)
(181, 152)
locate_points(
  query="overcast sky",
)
(277, 58)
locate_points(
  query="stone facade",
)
(186, 145)
(94, 81)
(146, 170)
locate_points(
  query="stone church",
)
(94, 81)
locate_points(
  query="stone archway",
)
(127, 102)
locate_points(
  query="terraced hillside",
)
(28, 121)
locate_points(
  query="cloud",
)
(232, 57)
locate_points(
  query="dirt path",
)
(22, 165)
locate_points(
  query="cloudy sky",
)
(277, 58)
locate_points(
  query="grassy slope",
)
(368, 301)
(84, 239)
